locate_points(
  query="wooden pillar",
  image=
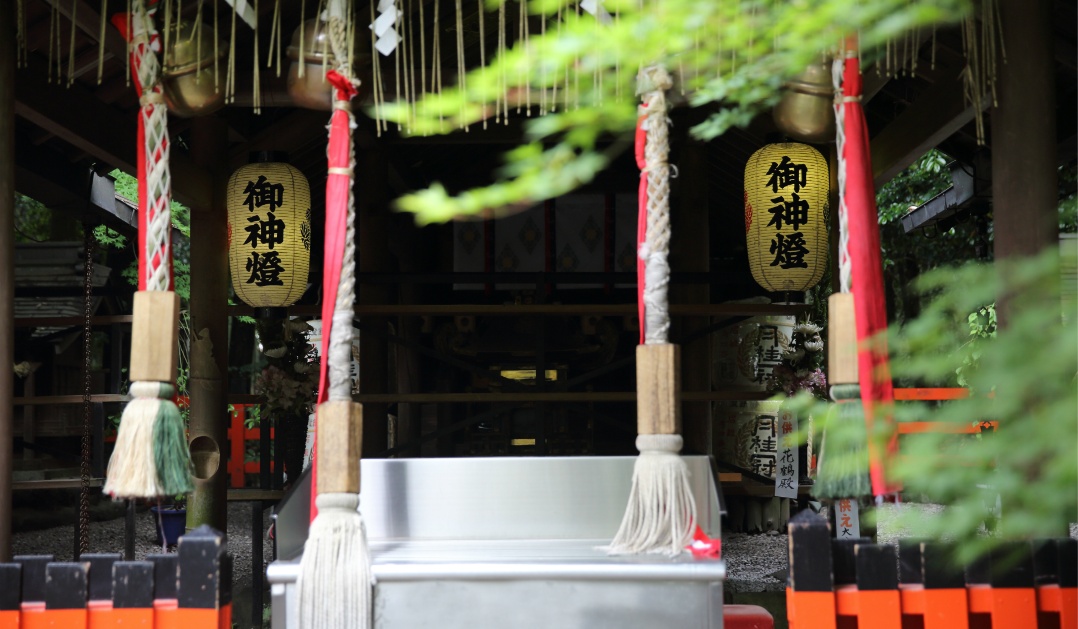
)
(689, 252)
(1024, 188)
(7, 268)
(372, 208)
(412, 252)
(207, 385)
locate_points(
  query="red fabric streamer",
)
(338, 187)
(641, 219)
(866, 269)
(704, 547)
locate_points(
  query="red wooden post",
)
(946, 605)
(237, 446)
(164, 592)
(810, 596)
(32, 602)
(10, 595)
(99, 588)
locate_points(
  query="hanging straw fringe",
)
(337, 537)
(151, 458)
(661, 513)
(131, 471)
(843, 458)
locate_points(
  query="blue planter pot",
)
(169, 524)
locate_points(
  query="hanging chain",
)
(87, 411)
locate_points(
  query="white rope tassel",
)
(131, 471)
(337, 538)
(655, 249)
(661, 512)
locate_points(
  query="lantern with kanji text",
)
(786, 206)
(269, 232)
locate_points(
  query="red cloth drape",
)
(338, 187)
(873, 369)
(640, 143)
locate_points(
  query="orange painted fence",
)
(937, 395)
(191, 589)
(238, 436)
(847, 584)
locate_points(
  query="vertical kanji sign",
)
(847, 519)
(786, 480)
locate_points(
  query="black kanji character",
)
(261, 193)
(265, 270)
(789, 251)
(786, 173)
(268, 233)
(793, 212)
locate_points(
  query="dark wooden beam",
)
(936, 114)
(48, 177)
(295, 130)
(107, 134)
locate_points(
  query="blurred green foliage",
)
(731, 58)
(127, 187)
(31, 220)
(907, 256)
(1023, 375)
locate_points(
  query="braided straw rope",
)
(840, 143)
(661, 512)
(154, 115)
(340, 340)
(655, 80)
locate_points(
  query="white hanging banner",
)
(385, 33)
(786, 465)
(244, 10)
(847, 519)
(595, 7)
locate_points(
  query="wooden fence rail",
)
(846, 584)
(191, 589)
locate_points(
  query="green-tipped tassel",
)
(151, 458)
(171, 457)
(844, 454)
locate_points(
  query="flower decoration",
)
(800, 368)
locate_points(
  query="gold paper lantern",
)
(269, 233)
(786, 207)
